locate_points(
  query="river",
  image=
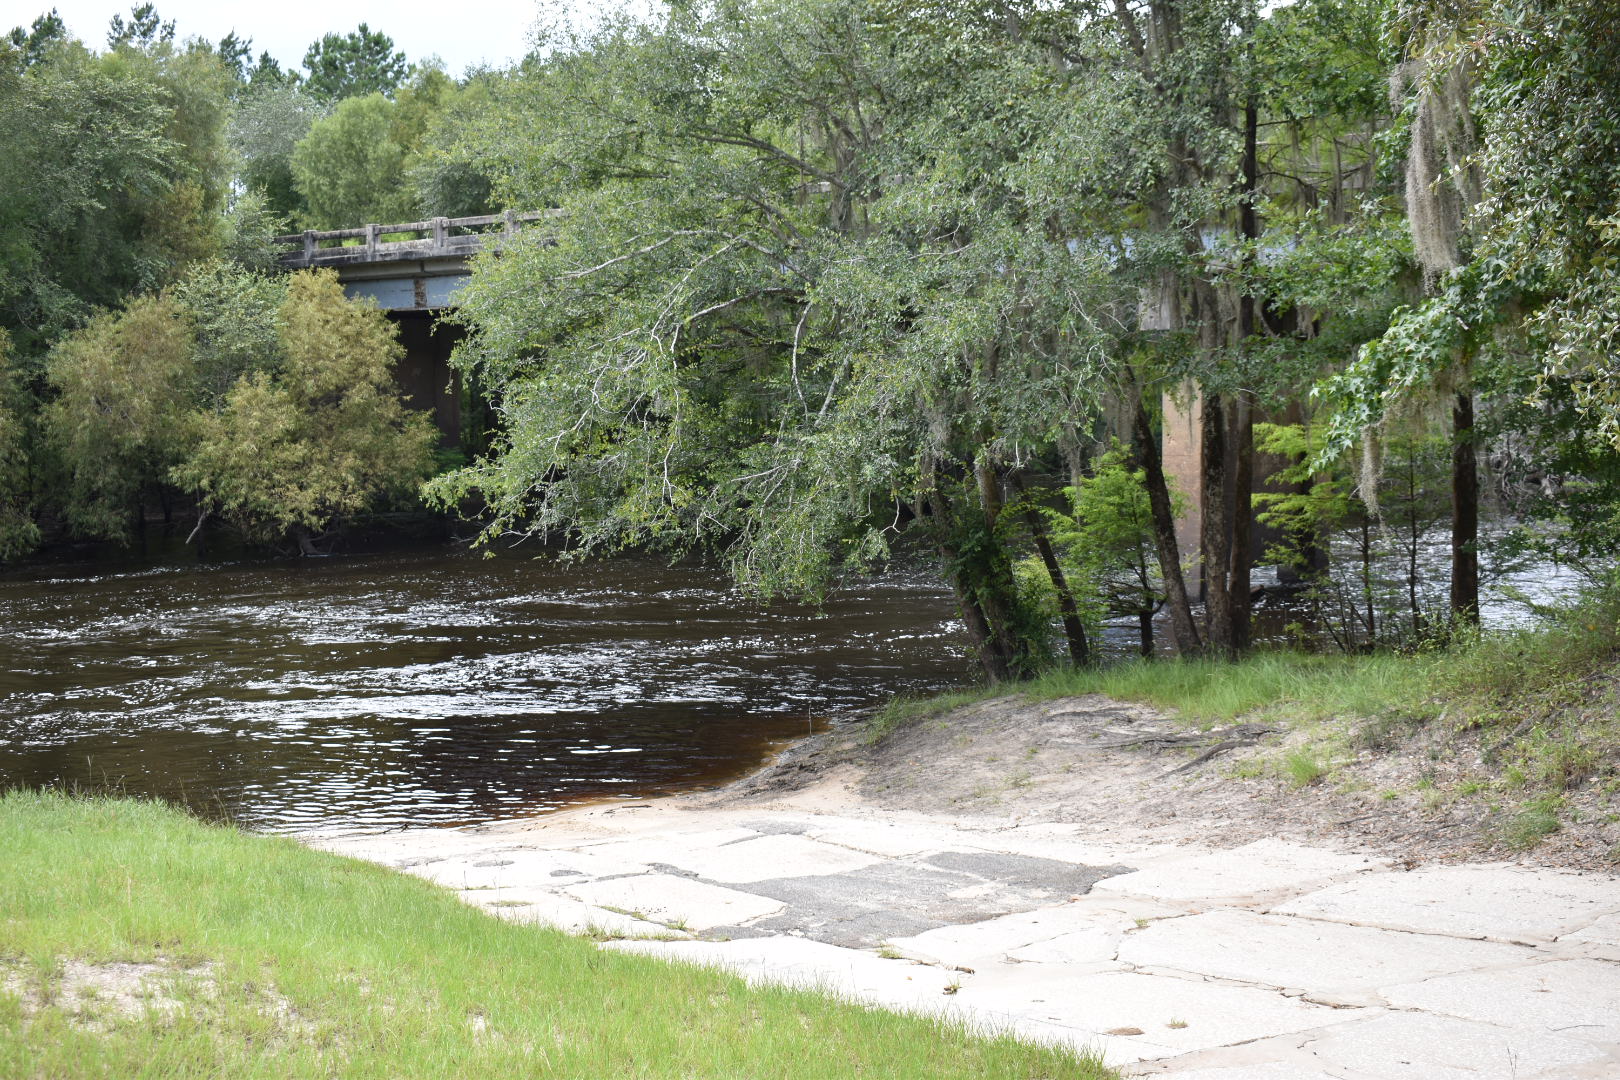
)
(433, 686)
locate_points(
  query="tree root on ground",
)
(1214, 742)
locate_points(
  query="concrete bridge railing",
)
(435, 238)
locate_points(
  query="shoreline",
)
(1117, 772)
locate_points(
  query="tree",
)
(325, 437)
(269, 121)
(235, 53)
(350, 170)
(1112, 531)
(1511, 145)
(19, 534)
(114, 169)
(44, 34)
(448, 180)
(266, 73)
(354, 65)
(248, 233)
(144, 30)
(795, 303)
(116, 424)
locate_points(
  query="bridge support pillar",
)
(425, 375)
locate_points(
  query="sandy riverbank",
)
(1130, 773)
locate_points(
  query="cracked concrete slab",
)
(1504, 903)
(889, 899)
(1441, 1048)
(561, 913)
(1601, 939)
(1575, 998)
(989, 940)
(525, 868)
(890, 839)
(1182, 1015)
(666, 848)
(789, 961)
(677, 901)
(1270, 1070)
(1333, 962)
(1159, 956)
(761, 857)
(1265, 868)
(1036, 876)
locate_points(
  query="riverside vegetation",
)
(823, 277)
(820, 275)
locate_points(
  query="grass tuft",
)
(1536, 820)
(1303, 768)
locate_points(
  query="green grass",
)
(1305, 686)
(1536, 819)
(303, 964)
(1303, 768)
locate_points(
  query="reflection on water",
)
(433, 686)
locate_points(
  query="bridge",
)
(413, 271)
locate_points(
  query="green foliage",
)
(114, 171)
(324, 437)
(1536, 820)
(447, 180)
(373, 159)
(233, 313)
(272, 399)
(743, 337)
(268, 122)
(349, 170)
(1303, 768)
(1112, 527)
(248, 232)
(143, 30)
(117, 421)
(18, 533)
(42, 36)
(1355, 535)
(356, 64)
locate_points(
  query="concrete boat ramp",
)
(1269, 961)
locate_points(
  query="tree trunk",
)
(1144, 629)
(1240, 555)
(1371, 621)
(1464, 512)
(993, 660)
(1148, 458)
(1414, 542)
(1215, 538)
(1240, 562)
(137, 518)
(1073, 629)
(981, 576)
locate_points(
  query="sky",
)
(461, 32)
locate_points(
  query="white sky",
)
(460, 32)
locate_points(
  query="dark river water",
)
(433, 686)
